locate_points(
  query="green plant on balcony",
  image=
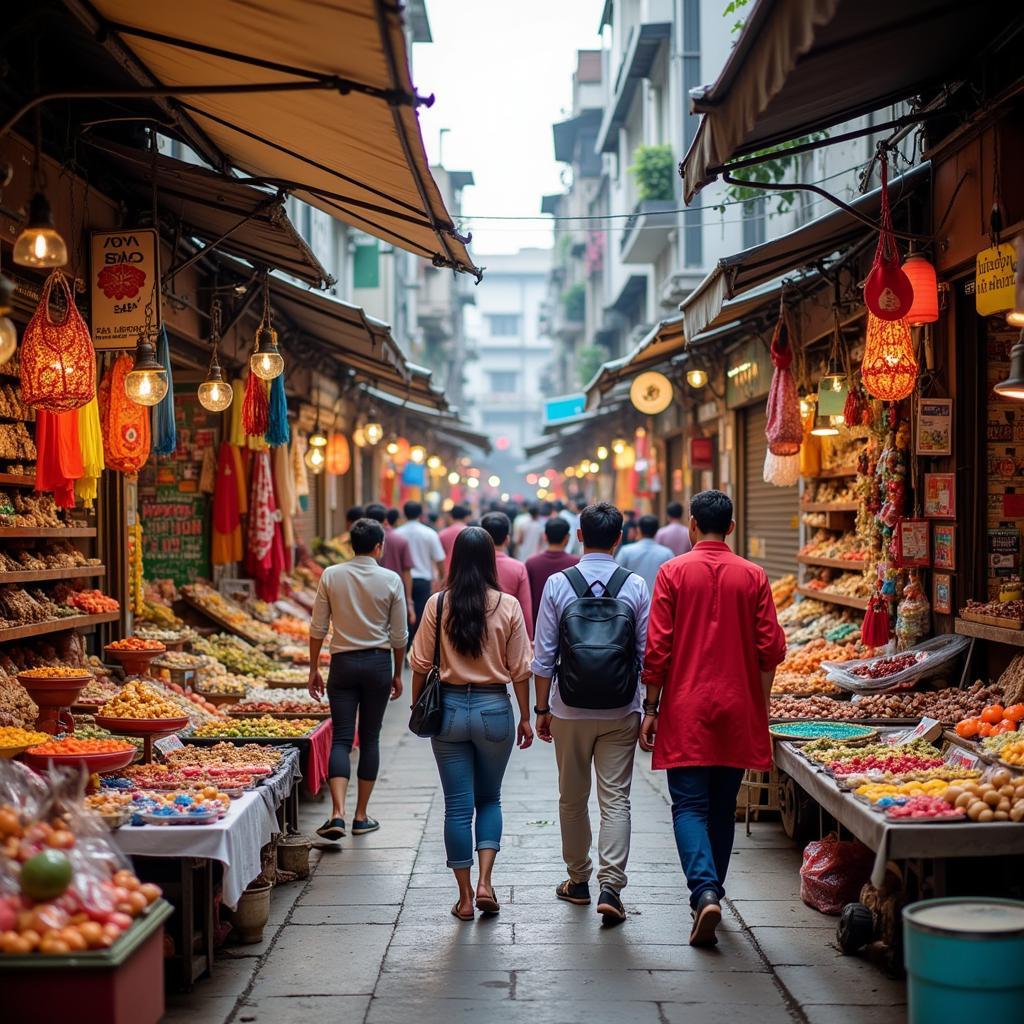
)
(574, 300)
(588, 362)
(654, 169)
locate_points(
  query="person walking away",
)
(344, 542)
(459, 514)
(629, 528)
(591, 633)
(574, 547)
(528, 536)
(364, 604)
(512, 578)
(483, 647)
(396, 556)
(674, 535)
(552, 559)
(427, 558)
(646, 556)
(713, 645)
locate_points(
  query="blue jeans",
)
(704, 819)
(472, 752)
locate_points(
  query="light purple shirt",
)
(675, 537)
(558, 595)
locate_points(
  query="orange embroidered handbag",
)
(126, 438)
(58, 362)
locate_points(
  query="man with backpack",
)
(590, 636)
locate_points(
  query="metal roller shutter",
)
(769, 515)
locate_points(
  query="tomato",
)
(1015, 713)
(967, 728)
(993, 714)
(1005, 726)
(984, 729)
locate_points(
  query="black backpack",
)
(596, 667)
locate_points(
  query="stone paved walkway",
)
(368, 938)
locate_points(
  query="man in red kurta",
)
(713, 644)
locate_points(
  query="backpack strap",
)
(577, 581)
(616, 582)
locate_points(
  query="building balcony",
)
(647, 231)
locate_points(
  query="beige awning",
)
(339, 130)
(664, 340)
(803, 66)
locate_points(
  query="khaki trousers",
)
(586, 746)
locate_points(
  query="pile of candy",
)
(136, 644)
(266, 726)
(897, 764)
(823, 751)
(71, 745)
(822, 730)
(14, 736)
(98, 691)
(223, 686)
(57, 672)
(925, 807)
(178, 806)
(887, 794)
(137, 700)
(249, 756)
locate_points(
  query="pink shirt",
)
(397, 556)
(675, 537)
(447, 538)
(512, 579)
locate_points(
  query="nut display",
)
(289, 707)
(57, 672)
(227, 755)
(999, 798)
(265, 727)
(138, 700)
(221, 608)
(236, 655)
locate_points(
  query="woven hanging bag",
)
(784, 430)
(888, 292)
(58, 362)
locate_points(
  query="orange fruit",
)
(967, 728)
(993, 714)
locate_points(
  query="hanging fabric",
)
(299, 474)
(58, 361)
(264, 549)
(236, 435)
(784, 430)
(226, 544)
(284, 492)
(165, 434)
(208, 472)
(875, 629)
(126, 438)
(255, 406)
(888, 292)
(90, 436)
(59, 455)
(278, 432)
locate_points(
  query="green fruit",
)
(46, 875)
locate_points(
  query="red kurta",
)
(712, 631)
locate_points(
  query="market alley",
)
(369, 938)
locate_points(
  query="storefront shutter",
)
(769, 515)
(306, 530)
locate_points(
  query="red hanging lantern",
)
(921, 274)
(889, 370)
(339, 457)
(887, 292)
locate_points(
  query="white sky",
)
(502, 74)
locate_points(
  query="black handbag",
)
(427, 714)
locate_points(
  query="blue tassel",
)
(278, 430)
(165, 433)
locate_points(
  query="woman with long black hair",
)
(483, 648)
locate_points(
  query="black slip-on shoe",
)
(361, 827)
(333, 829)
(707, 916)
(574, 892)
(610, 907)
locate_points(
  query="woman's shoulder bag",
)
(426, 712)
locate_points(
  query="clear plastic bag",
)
(932, 656)
(833, 873)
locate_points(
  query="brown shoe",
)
(706, 918)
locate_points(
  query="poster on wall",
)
(912, 543)
(1003, 553)
(942, 594)
(935, 426)
(944, 546)
(124, 278)
(940, 496)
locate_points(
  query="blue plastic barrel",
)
(964, 960)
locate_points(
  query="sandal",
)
(462, 917)
(488, 904)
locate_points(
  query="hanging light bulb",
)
(824, 427)
(266, 361)
(453, 478)
(602, 453)
(359, 437)
(834, 378)
(494, 480)
(1013, 386)
(146, 382)
(316, 457)
(215, 393)
(392, 447)
(8, 332)
(595, 468)
(374, 433)
(696, 378)
(618, 445)
(318, 439)
(925, 307)
(418, 454)
(40, 244)
(473, 483)
(569, 471)
(434, 463)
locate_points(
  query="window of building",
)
(755, 215)
(503, 325)
(503, 382)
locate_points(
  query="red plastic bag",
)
(833, 873)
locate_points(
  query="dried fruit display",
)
(138, 700)
(999, 798)
(93, 602)
(289, 707)
(885, 667)
(14, 736)
(133, 644)
(223, 609)
(258, 728)
(227, 755)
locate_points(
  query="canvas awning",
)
(663, 341)
(761, 264)
(445, 426)
(241, 220)
(339, 129)
(802, 66)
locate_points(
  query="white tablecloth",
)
(235, 840)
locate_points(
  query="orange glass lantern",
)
(889, 370)
(925, 307)
(339, 457)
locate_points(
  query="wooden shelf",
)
(997, 634)
(848, 564)
(833, 474)
(860, 603)
(47, 531)
(17, 480)
(44, 575)
(830, 506)
(56, 626)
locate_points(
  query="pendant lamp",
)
(889, 370)
(925, 307)
(696, 378)
(316, 458)
(823, 426)
(266, 361)
(374, 433)
(146, 382)
(215, 392)
(1013, 386)
(40, 244)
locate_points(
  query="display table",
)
(897, 841)
(280, 791)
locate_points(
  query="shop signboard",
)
(564, 408)
(702, 453)
(124, 279)
(748, 374)
(995, 272)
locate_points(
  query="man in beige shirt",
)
(365, 604)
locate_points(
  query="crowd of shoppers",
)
(669, 612)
